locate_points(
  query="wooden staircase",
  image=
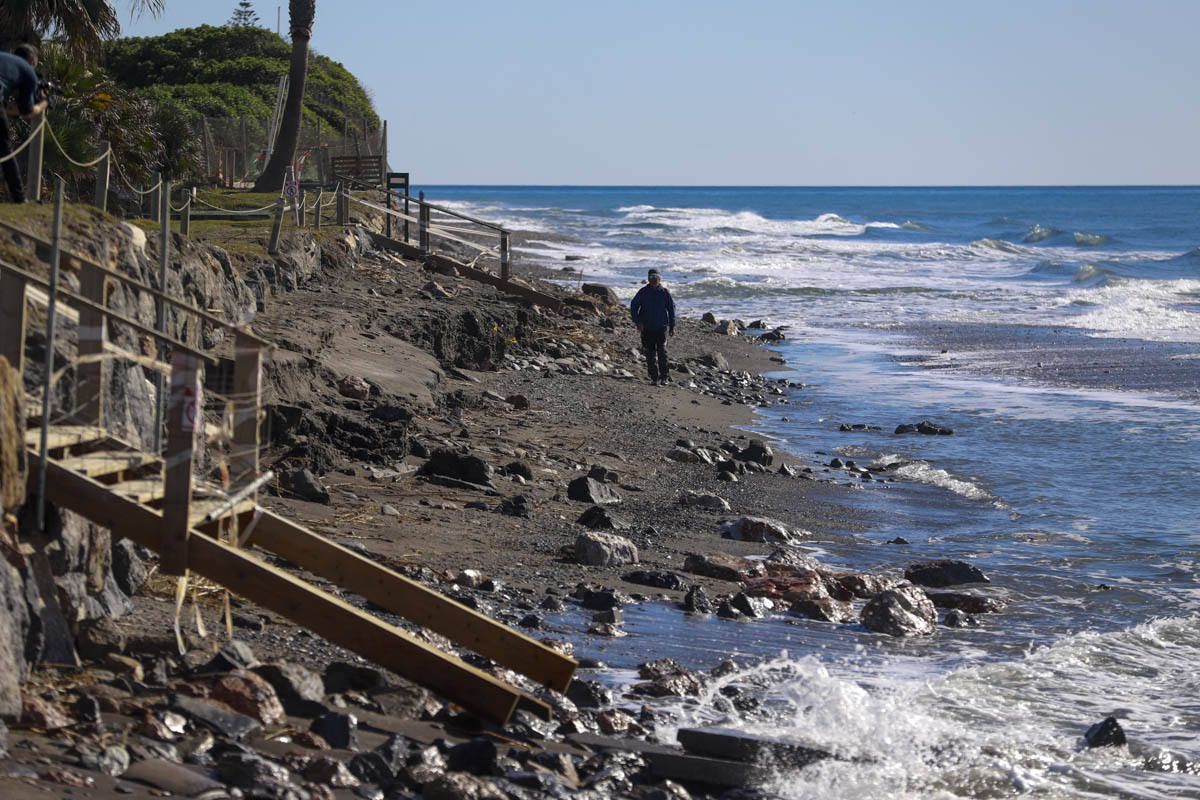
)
(156, 502)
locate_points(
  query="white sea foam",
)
(922, 472)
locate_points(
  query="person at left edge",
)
(18, 86)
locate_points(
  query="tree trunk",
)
(300, 15)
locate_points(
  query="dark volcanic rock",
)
(970, 603)
(460, 466)
(234, 655)
(603, 600)
(129, 567)
(340, 730)
(516, 506)
(722, 566)
(957, 618)
(215, 716)
(590, 490)
(944, 573)
(99, 637)
(659, 580)
(589, 694)
(477, 756)
(752, 607)
(758, 452)
(824, 610)
(862, 585)
(1107, 732)
(341, 676)
(901, 611)
(521, 468)
(307, 486)
(697, 601)
(598, 518)
(295, 685)
(244, 770)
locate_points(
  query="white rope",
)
(236, 213)
(128, 185)
(91, 163)
(25, 143)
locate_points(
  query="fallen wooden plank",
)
(741, 746)
(277, 591)
(668, 762)
(107, 462)
(411, 600)
(60, 436)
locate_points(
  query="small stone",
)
(305, 485)
(696, 601)
(704, 500)
(944, 573)
(232, 656)
(901, 611)
(590, 490)
(98, 638)
(1108, 732)
(957, 618)
(599, 518)
(604, 549)
(339, 729)
(389, 510)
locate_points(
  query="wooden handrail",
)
(30, 277)
(135, 283)
(425, 203)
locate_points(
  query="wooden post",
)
(423, 216)
(273, 244)
(93, 332)
(504, 265)
(341, 206)
(383, 147)
(102, 176)
(247, 399)
(300, 208)
(205, 143)
(12, 320)
(184, 418)
(185, 216)
(317, 210)
(164, 198)
(33, 172)
(246, 156)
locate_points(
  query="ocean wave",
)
(922, 472)
(1039, 233)
(1138, 308)
(633, 209)
(1000, 246)
(1090, 239)
(909, 225)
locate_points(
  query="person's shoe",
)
(665, 380)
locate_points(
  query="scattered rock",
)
(823, 609)
(957, 618)
(306, 486)
(598, 518)
(944, 573)
(341, 676)
(903, 610)
(864, 586)
(590, 490)
(683, 456)
(752, 607)
(518, 401)
(756, 529)
(704, 500)
(354, 387)
(249, 694)
(460, 466)
(603, 599)
(516, 506)
(330, 772)
(926, 427)
(244, 769)
(215, 716)
(604, 550)
(757, 452)
(337, 728)
(589, 694)
(1105, 733)
(297, 687)
(970, 603)
(98, 638)
(521, 468)
(659, 580)
(723, 566)
(232, 656)
(696, 601)
(129, 567)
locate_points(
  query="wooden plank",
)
(411, 600)
(740, 746)
(275, 590)
(668, 762)
(201, 508)
(142, 490)
(185, 416)
(93, 325)
(107, 462)
(60, 436)
(247, 400)
(12, 321)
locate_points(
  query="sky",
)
(759, 92)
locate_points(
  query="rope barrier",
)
(25, 143)
(232, 211)
(65, 155)
(432, 229)
(129, 185)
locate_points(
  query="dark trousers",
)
(654, 345)
(12, 175)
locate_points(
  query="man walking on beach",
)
(653, 312)
(17, 79)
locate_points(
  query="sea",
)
(1057, 331)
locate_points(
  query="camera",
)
(47, 90)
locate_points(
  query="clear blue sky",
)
(764, 92)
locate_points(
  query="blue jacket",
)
(653, 308)
(19, 80)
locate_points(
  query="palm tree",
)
(83, 24)
(300, 19)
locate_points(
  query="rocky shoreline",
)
(516, 460)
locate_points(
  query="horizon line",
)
(816, 186)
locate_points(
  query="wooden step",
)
(107, 462)
(201, 508)
(142, 490)
(60, 436)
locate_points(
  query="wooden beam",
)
(185, 416)
(93, 332)
(61, 436)
(247, 400)
(142, 490)
(107, 462)
(12, 322)
(410, 599)
(275, 590)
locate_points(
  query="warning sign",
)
(291, 189)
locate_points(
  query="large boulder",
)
(900, 611)
(756, 529)
(723, 566)
(758, 452)
(460, 466)
(590, 490)
(704, 500)
(944, 573)
(604, 550)
(599, 518)
(602, 293)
